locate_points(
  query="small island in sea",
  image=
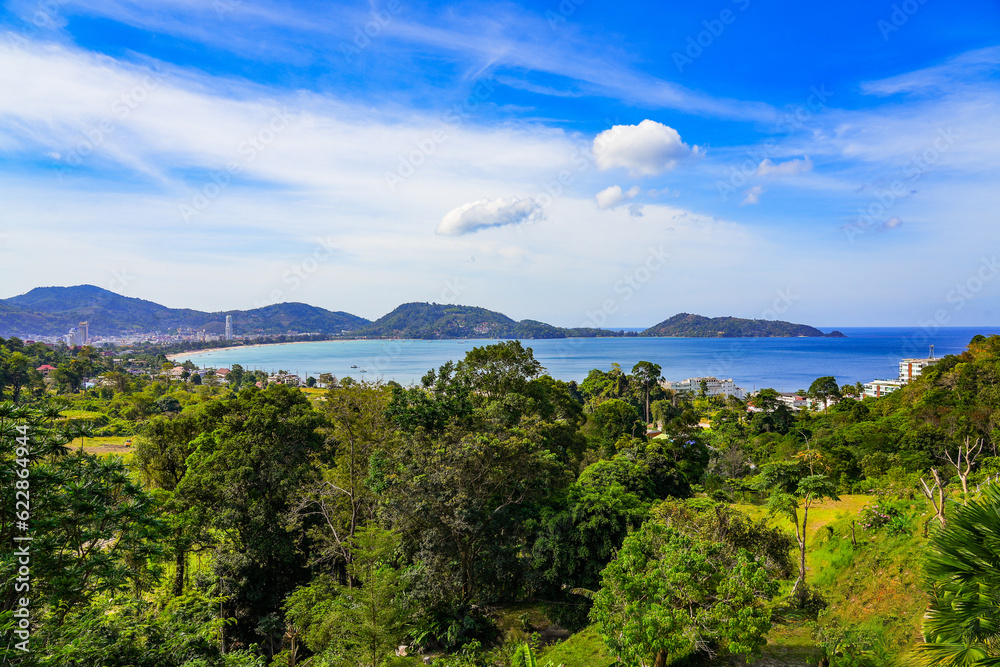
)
(698, 326)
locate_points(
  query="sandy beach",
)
(192, 353)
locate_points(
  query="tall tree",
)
(667, 595)
(15, 372)
(611, 421)
(355, 625)
(161, 453)
(498, 369)
(647, 375)
(245, 473)
(824, 389)
(98, 529)
(457, 499)
(344, 498)
(794, 490)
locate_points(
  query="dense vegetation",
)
(255, 524)
(699, 326)
(436, 320)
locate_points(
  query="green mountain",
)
(698, 326)
(50, 311)
(435, 320)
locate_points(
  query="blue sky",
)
(580, 163)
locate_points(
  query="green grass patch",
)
(584, 649)
(80, 415)
(518, 621)
(102, 441)
(106, 445)
(790, 642)
(820, 514)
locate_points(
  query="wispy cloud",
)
(753, 195)
(613, 196)
(788, 168)
(484, 213)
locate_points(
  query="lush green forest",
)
(437, 320)
(492, 516)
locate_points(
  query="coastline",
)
(173, 356)
(785, 363)
(193, 353)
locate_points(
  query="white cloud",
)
(613, 196)
(892, 223)
(789, 168)
(753, 195)
(483, 213)
(646, 149)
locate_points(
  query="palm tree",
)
(962, 622)
(80, 430)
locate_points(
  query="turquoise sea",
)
(786, 364)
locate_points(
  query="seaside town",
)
(82, 335)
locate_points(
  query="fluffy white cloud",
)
(789, 168)
(613, 196)
(483, 213)
(646, 149)
(753, 195)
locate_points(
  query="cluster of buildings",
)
(908, 370)
(80, 335)
(711, 386)
(222, 375)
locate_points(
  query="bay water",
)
(785, 364)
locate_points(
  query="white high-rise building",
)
(877, 388)
(74, 338)
(713, 386)
(84, 330)
(911, 368)
(229, 327)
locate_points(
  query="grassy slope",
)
(872, 589)
(584, 649)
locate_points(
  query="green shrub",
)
(875, 515)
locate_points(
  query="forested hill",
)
(50, 311)
(436, 320)
(699, 326)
